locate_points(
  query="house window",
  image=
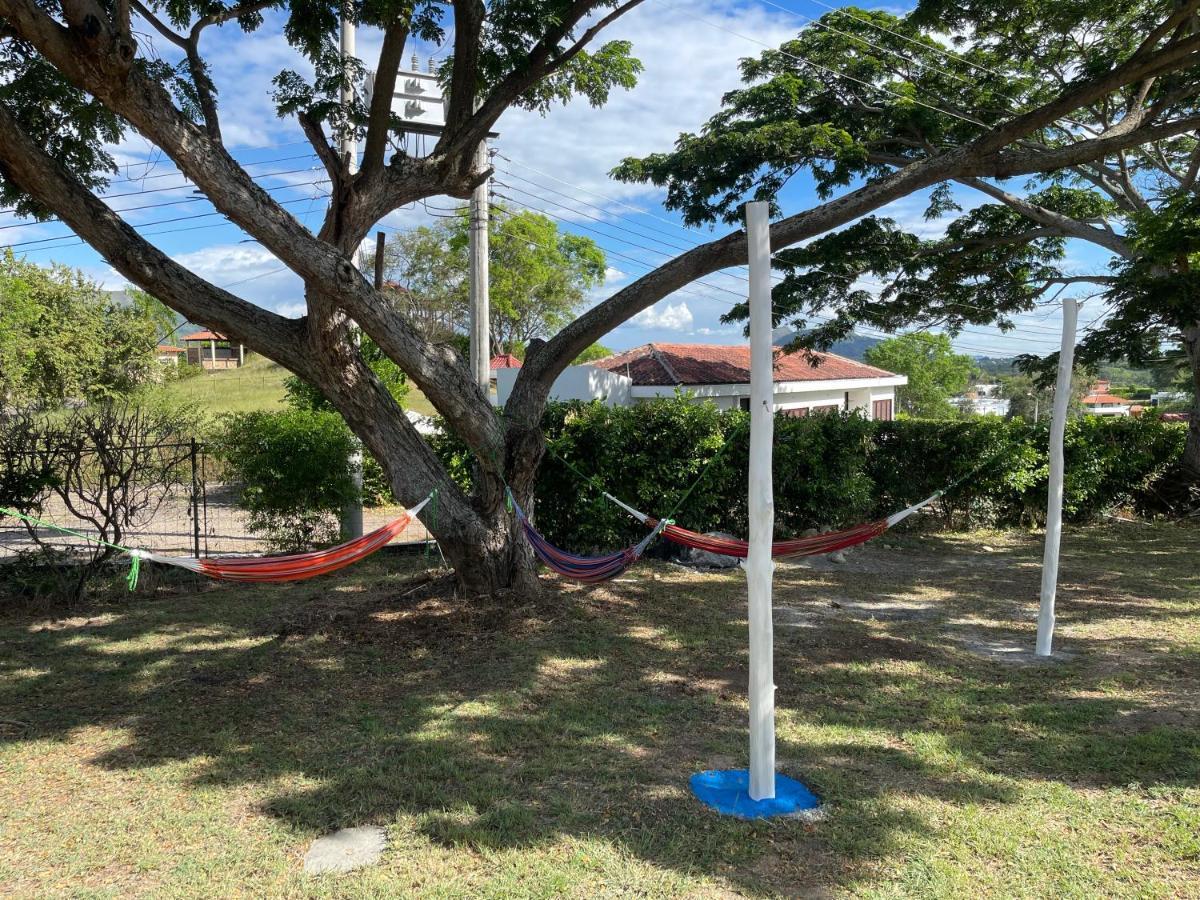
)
(882, 410)
(825, 409)
(744, 403)
(796, 412)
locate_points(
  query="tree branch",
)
(334, 165)
(37, 173)
(539, 63)
(159, 25)
(379, 118)
(1065, 224)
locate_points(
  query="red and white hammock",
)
(815, 545)
(292, 567)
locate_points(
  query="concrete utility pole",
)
(480, 332)
(759, 565)
(1054, 499)
(352, 514)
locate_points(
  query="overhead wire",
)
(739, 294)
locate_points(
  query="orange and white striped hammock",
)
(291, 567)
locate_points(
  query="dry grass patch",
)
(194, 742)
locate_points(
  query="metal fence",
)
(194, 512)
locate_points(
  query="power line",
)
(177, 174)
(74, 242)
(177, 202)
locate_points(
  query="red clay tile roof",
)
(504, 361)
(204, 336)
(1091, 399)
(167, 348)
(671, 364)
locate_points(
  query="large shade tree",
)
(1140, 202)
(74, 77)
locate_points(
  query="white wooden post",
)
(759, 565)
(1054, 499)
(352, 513)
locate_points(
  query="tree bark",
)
(1191, 450)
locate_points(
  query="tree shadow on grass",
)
(582, 713)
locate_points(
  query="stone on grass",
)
(837, 557)
(346, 850)
(704, 559)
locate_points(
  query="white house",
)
(1099, 402)
(983, 399)
(804, 383)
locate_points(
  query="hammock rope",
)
(256, 569)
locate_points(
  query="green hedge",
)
(830, 470)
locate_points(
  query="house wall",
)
(792, 395)
(575, 383)
(227, 357)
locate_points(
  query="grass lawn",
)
(256, 385)
(194, 740)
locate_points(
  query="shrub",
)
(829, 470)
(294, 470)
(182, 371)
(110, 466)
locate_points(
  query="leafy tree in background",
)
(935, 372)
(539, 276)
(74, 77)
(1136, 202)
(62, 338)
(592, 353)
(1032, 399)
(166, 321)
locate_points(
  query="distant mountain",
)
(853, 347)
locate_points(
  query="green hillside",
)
(256, 385)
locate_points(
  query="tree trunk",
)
(490, 560)
(1191, 450)
(479, 537)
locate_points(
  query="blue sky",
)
(556, 164)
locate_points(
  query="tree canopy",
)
(77, 76)
(62, 337)
(539, 276)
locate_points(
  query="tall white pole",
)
(1058, 427)
(759, 565)
(480, 333)
(352, 514)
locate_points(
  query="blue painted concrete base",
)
(728, 792)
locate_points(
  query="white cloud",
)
(250, 272)
(689, 65)
(671, 317)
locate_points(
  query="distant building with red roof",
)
(804, 382)
(504, 361)
(1099, 402)
(212, 350)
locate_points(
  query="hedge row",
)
(673, 457)
(829, 470)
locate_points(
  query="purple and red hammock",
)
(592, 569)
